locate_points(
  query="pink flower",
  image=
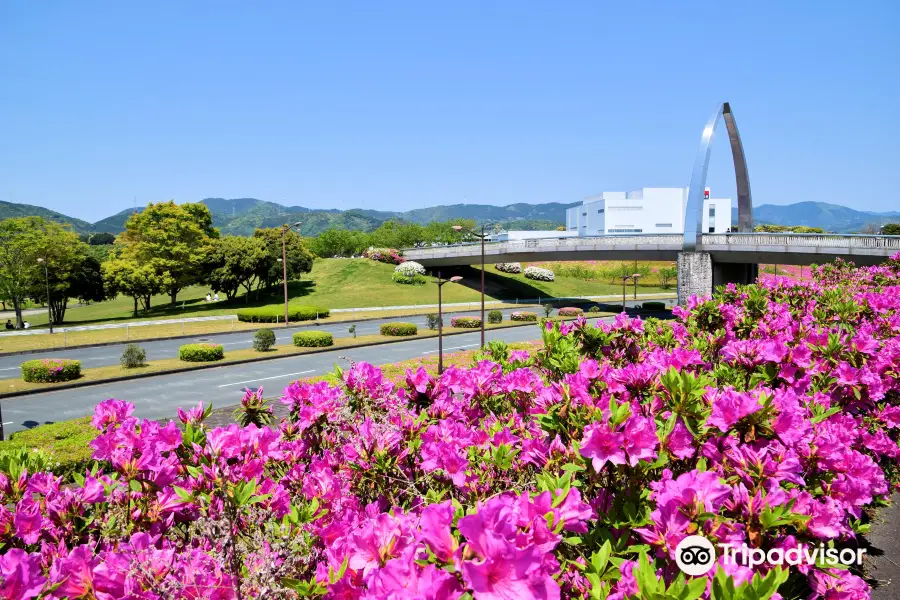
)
(640, 439)
(729, 407)
(20, 575)
(600, 444)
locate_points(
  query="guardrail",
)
(818, 240)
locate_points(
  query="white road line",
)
(265, 378)
(11, 369)
(233, 343)
(452, 348)
(99, 357)
(8, 423)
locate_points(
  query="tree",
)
(340, 242)
(71, 272)
(87, 281)
(174, 240)
(101, 239)
(891, 229)
(237, 262)
(299, 258)
(129, 278)
(19, 248)
(666, 276)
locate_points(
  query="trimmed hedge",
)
(201, 352)
(654, 306)
(67, 443)
(495, 316)
(50, 370)
(465, 322)
(275, 313)
(313, 339)
(263, 340)
(523, 316)
(399, 329)
(570, 311)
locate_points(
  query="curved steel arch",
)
(693, 218)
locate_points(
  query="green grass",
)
(346, 283)
(65, 441)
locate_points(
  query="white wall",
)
(508, 236)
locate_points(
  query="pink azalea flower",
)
(600, 444)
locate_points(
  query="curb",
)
(242, 361)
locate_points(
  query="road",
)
(103, 356)
(160, 396)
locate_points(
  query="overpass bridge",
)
(722, 258)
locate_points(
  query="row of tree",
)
(391, 234)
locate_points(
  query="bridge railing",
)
(814, 240)
(571, 242)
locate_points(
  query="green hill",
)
(10, 210)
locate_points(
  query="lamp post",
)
(47, 280)
(480, 236)
(635, 277)
(625, 279)
(440, 283)
(284, 230)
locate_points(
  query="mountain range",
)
(240, 216)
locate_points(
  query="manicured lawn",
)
(347, 283)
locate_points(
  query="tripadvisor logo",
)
(696, 555)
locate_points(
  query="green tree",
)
(20, 246)
(891, 229)
(101, 239)
(174, 240)
(237, 262)
(340, 242)
(129, 278)
(71, 271)
(666, 276)
(299, 258)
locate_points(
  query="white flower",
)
(539, 274)
(509, 267)
(410, 269)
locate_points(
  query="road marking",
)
(452, 348)
(99, 357)
(8, 423)
(266, 378)
(233, 343)
(10, 368)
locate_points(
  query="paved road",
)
(102, 356)
(160, 396)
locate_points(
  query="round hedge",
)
(50, 370)
(275, 313)
(570, 311)
(313, 339)
(523, 316)
(465, 322)
(263, 340)
(201, 352)
(399, 329)
(495, 316)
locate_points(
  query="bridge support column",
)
(742, 274)
(695, 275)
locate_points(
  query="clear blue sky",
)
(398, 105)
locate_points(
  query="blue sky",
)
(399, 105)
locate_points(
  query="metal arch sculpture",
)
(693, 218)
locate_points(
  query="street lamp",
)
(625, 279)
(635, 277)
(480, 236)
(284, 230)
(440, 283)
(47, 280)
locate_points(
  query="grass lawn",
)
(348, 283)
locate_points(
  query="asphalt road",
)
(159, 397)
(103, 356)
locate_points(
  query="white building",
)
(647, 210)
(509, 236)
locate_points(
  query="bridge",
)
(705, 260)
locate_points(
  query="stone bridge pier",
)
(699, 274)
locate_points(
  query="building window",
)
(600, 211)
(663, 224)
(712, 211)
(584, 214)
(712, 229)
(617, 208)
(626, 230)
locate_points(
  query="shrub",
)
(548, 308)
(523, 316)
(539, 274)
(133, 356)
(253, 409)
(654, 306)
(352, 330)
(399, 329)
(594, 309)
(432, 320)
(385, 255)
(63, 446)
(407, 279)
(50, 370)
(313, 339)
(410, 268)
(201, 352)
(509, 267)
(263, 340)
(495, 316)
(570, 311)
(465, 322)
(275, 313)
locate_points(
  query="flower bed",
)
(410, 268)
(399, 329)
(523, 316)
(508, 267)
(201, 352)
(50, 370)
(313, 339)
(275, 313)
(569, 311)
(539, 274)
(407, 280)
(465, 322)
(385, 255)
(768, 416)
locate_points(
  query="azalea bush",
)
(509, 267)
(570, 311)
(385, 255)
(521, 315)
(768, 415)
(50, 370)
(397, 277)
(538, 274)
(410, 268)
(465, 322)
(399, 329)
